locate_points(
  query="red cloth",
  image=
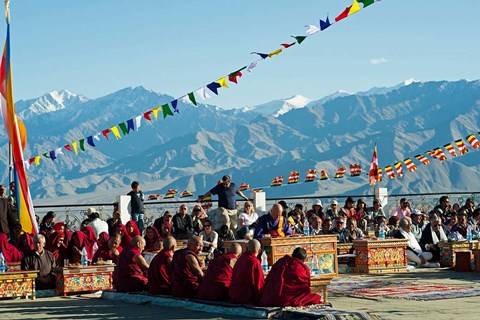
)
(288, 284)
(247, 280)
(25, 243)
(59, 250)
(150, 244)
(82, 242)
(103, 238)
(136, 231)
(214, 286)
(159, 273)
(128, 275)
(90, 240)
(126, 239)
(10, 253)
(105, 253)
(184, 281)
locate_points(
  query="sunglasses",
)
(207, 225)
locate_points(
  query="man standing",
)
(273, 224)
(41, 260)
(7, 213)
(227, 208)
(186, 271)
(137, 209)
(247, 276)
(288, 283)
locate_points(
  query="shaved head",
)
(169, 243)
(235, 248)
(276, 211)
(254, 246)
(138, 242)
(195, 244)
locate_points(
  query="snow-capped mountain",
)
(51, 102)
(278, 107)
(192, 149)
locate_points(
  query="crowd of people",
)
(231, 275)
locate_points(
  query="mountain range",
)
(194, 148)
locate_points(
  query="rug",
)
(323, 313)
(400, 290)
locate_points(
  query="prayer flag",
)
(236, 74)
(277, 181)
(323, 175)
(203, 93)
(355, 170)
(461, 147)
(146, 115)
(366, 3)
(153, 196)
(450, 149)
(252, 65)
(293, 177)
(422, 159)
(138, 122)
(324, 24)
(288, 45)
(373, 173)
(410, 165)
(115, 132)
(186, 194)
(206, 198)
(389, 172)
(311, 29)
(123, 127)
(343, 15)
(90, 141)
(166, 111)
(37, 162)
(473, 141)
(174, 104)
(379, 177)
(262, 55)
(75, 148)
(105, 133)
(244, 186)
(440, 155)
(354, 8)
(52, 155)
(68, 147)
(340, 172)
(299, 39)
(191, 96)
(311, 174)
(399, 168)
(130, 125)
(82, 144)
(170, 193)
(214, 87)
(274, 53)
(155, 113)
(17, 134)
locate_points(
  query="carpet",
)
(325, 313)
(400, 290)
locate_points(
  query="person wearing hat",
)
(317, 209)
(332, 212)
(417, 225)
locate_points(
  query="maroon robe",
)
(105, 253)
(288, 284)
(128, 275)
(10, 253)
(214, 286)
(150, 244)
(247, 280)
(159, 273)
(184, 281)
(60, 252)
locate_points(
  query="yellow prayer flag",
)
(156, 111)
(354, 8)
(273, 53)
(37, 160)
(115, 132)
(75, 148)
(223, 82)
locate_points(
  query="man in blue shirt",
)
(273, 223)
(227, 208)
(137, 209)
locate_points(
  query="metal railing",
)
(74, 214)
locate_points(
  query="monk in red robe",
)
(214, 286)
(160, 268)
(10, 253)
(288, 283)
(110, 250)
(130, 272)
(247, 276)
(186, 271)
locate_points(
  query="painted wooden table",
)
(448, 251)
(15, 284)
(81, 279)
(380, 256)
(476, 257)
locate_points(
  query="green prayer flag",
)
(191, 96)
(366, 3)
(82, 144)
(299, 38)
(166, 111)
(123, 127)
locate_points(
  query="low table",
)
(320, 283)
(81, 279)
(448, 250)
(15, 284)
(476, 257)
(380, 256)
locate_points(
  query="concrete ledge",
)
(196, 305)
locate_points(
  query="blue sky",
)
(94, 48)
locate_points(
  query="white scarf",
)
(443, 236)
(412, 242)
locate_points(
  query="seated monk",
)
(110, 250)
(273, 224)
(247, 276)
(129, 275)
(10, 253)
(160, 268)
(186, 271)
(214, 286)
(288, 283)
